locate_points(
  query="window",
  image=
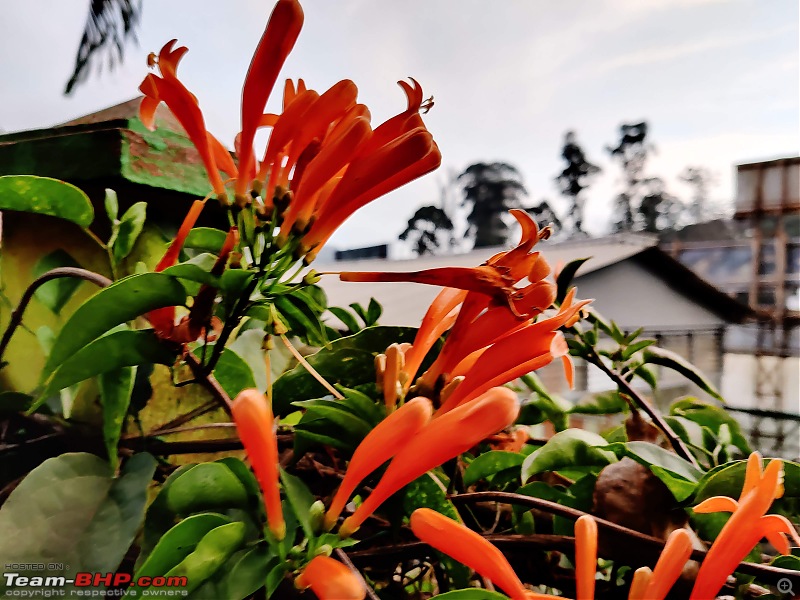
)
(720, 264)
(766, 265)
(793, 258)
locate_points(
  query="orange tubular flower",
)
(585, 557)
(641, 579)
(183, 105)
(331, 580)
(380, 445)
(283, 29)
(437, 442)
(670, 564)
(469, 548)
(256, 426)
(747, 525)
(520, 352)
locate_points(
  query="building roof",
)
(406, 303)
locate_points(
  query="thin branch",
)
(676, 442)
(160, 432)
(312, 371)
(208, 381)
(60, 272)
(342, 556)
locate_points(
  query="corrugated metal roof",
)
(406, 303)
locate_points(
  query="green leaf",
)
(728, 480)
(710, 416)
(470, 594)
(240, 577)
(304, 321)
(606, 403)
(115, 396)
(232, 372)
(345, 317)
(671, 360)
(109, 353)
(111, 205)
(178, 543)
(207, 486)
(71, 511)
(348, 361)
(359, 310)
(130, 226)
(567, 450)
(634, 348)
(489, 463)
(788, 561)
(338, 416)
(300, 499)
(211, 552)
(677, 474)
(56, 293)
(234, 281)
(374, 312)
(45, 196)
(205, 239)
(541, 408)
(566, 276)
(118, 303)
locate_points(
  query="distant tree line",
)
(489, 189)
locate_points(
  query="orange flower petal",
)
(256, 426)
(585, 557)
(670, 564)
(331, 580)
(380, 445)
(440, 440)
(467, 547)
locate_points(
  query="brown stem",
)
(342, 556)
(676, 442)
(16, 316)
(192, 414)
(208, 381)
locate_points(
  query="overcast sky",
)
(718, 80)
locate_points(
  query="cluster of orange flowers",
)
(323, 160)
(494, 337)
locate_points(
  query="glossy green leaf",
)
(111, 204)
(207, 486)
(118, 303)
(300, 499)
(566, 276)
(115, 396)
(676, 473)
(345, 317)
(130, 226)
(205, 239)
(301, 318)
(568, 449)
(71, 511)
(712, 417)
(470, 594)
(635, 347)
(728, 480)
(606, 403)
(374, 312)
(232, 372)
(671, 360)
(111, 352)
(211, 552)
(56, 293)
(348, 361)
(490, 463)
(45, 196)
(177, 543)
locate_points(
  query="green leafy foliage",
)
(45, 196)
(115, 395)
(205, 239)
(127, 230)
(56, 293)
(491, 463)
(711, 417)
(569, 449)
(665, 358)
(566, 276)
(97, 515)
(348, 361)
(118, 303)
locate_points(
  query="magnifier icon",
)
(785, 586)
